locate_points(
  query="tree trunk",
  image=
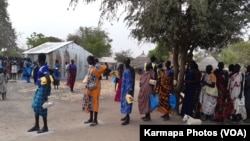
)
(182, 64)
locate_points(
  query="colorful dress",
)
(235, 88)
(222, 81)
(91, 97)
(163, 89)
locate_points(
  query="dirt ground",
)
(66, 118)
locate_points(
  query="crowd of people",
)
(216, 94)
(213, 95)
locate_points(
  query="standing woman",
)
(5, 82)
(28, 70)
(145, 90)
(118, 90)
(163, 89)
(192, 81)
(91, 94)
(72, 76)
(41, 95)
(208, 102)
(222, 82)
(57, 74)
(4, 78)
(127, 87)
(236, 86)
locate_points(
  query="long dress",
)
(128, 83)
(190, 89)
(91, 97)
(3, 82)
(207, 101)
(235, 89)
(72, 76)
(145, 90)
(163, 89)
(221, 82)
(118, 91)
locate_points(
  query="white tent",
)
(209, 60)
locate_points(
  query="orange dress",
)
(91, 97)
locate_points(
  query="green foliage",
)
(93, 40)
(7, 32)
(120, 56)
(161, 52)
(36, 39)
(11, 53)
(183, 25)
(236, 53)
(228, 56)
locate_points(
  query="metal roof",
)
(46, 47)
(107, 60)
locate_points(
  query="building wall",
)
(66, 53)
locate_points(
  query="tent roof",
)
(107, 60)
(209, 60)
(46, 47)
(139, 61)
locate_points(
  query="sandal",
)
(94, 124)
(88, 121)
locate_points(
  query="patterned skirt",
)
(38, 101)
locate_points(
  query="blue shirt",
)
(41, 73)
(56, 70)
(170, 73)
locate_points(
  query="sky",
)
(51, 18)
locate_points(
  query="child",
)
(4, 78)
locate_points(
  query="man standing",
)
(72, 75)
(127, 87)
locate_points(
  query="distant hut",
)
(138, 62)
(209, 60)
